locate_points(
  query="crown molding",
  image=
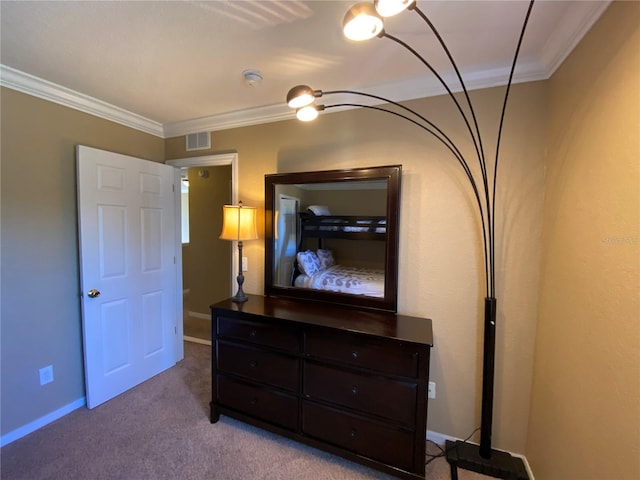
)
(575, 27)
(413, 89)
(226, 121)
(420, 87)
(38, 87)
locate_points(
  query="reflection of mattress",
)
(362, 229)
(345, 279)
(342, 225)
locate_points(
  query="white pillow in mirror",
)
(319, 209)
(326, 258)
(308, 262)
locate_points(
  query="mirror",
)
(332, 236)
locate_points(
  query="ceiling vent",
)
(198, 141)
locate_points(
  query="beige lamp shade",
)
(238, 223)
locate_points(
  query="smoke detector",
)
(252, 77)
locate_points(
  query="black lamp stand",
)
(499, 464)
(482, 458)
(240, 296)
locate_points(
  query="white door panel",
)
(287, 238)
(127, 224)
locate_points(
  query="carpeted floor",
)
(161, 430)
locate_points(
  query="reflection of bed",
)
(345, 279)
(347, 227)
(321, 273)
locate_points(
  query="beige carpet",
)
(161, 430)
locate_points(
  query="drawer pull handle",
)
(353, 433)
(354, 390)
(354, 354)
(253, 364)
(253, 333)
(253, 401)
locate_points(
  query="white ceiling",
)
(174, 67)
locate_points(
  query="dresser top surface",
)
(369, 322)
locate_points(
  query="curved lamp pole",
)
(364, 21)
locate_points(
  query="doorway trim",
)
(220, 159)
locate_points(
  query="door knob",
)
(93, 293)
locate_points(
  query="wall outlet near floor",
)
(46, 375)
(432, 390)
(245, 264)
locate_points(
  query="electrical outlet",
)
(245, 264)
(46, 375)
(432, 390)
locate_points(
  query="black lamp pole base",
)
(240, 296)
(500, 464)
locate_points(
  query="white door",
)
(127, 244)
(286, 241)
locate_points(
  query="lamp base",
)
(500, 465)
(239, 297)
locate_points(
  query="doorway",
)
(207, 262)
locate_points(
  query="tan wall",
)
(440, 274)
(585, 410)
(206, 262)
(40, 286)
(348, 202)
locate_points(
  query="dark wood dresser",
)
(349, 381)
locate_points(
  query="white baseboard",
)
(41, 422)
(196, 340)
(203, 316)
(440, 438)
(526, 465)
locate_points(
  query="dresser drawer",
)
(395, 358)
(259, 333)
(274, 407)
(385, 443)
(259, 365)
(391, 399)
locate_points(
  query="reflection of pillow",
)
(319, 209)
(326, 258)
(308, 262)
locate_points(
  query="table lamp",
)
(238, 224)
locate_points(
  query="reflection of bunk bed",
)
(337, 226)
(317, 270)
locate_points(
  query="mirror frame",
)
(392, 174)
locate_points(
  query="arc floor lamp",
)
(364, 21)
